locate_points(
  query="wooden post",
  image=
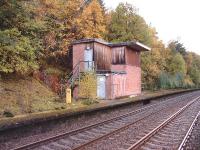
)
(68, 96)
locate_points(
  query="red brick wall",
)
(124, 84)
(133, 84)
(133, 80)
(119, 84)
(129, 83)
(78, 54)
(119, 88)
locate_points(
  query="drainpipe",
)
(78, 80)
(124, 83)
(112, 89)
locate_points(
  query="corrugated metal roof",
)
(90, 40)
(131, 44)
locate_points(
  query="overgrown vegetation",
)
(20, 96)
(38, 33)
(88, 86)
(89, 102)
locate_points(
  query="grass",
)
(27, 96)
(28, 99)
(89, 102)
(24, 96)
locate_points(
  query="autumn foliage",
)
(91, 22)
(38, 33)
(88, 86)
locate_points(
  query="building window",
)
(118, 55)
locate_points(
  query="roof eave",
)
(139, 46)
(144, 47)
(89, 40)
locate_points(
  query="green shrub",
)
(53, 70)
(178, 80)
(188, 83)
(89, 102)
(88, 86)
(7, 113)
(17, 55)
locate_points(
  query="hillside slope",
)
(26, 96)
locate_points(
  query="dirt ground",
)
(27, 96)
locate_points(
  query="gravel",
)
(123, 140)
(194, 139)
(171, 136)
(20, 136)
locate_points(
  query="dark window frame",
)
(117, 58)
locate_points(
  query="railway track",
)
(192, 138)
(161, 136)
(82, 137)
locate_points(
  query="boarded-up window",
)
(118, 55)
(102, 57)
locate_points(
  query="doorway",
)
(88, 59)
(101, 86)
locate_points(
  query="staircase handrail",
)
(74, 71)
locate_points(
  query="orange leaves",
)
(91, 22)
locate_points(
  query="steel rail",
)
(116, 131)
(188, 133)
(59, 136)
(144, 139)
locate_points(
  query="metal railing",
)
(75, 75)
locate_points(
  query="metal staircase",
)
(75, 76)
(78, 70)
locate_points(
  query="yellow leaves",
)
(59, 18)
(188, 60)
(177, 64)
(58, 8)
(188, 81)
(88, 86)
(91, 22)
